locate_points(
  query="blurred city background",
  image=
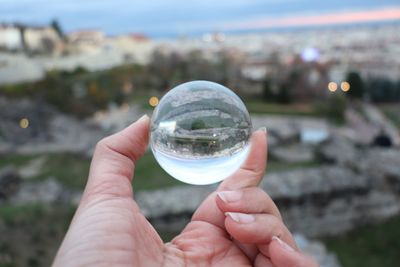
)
(323, 77)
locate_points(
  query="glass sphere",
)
(200, 132)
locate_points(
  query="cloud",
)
(348, 17)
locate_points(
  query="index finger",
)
(249, 174)
(252, 171)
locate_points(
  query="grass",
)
(72, 170)
(253, 106)
(11, 214)
(69, 169)
(15, 160)
(261, 107)
(392, 112)
(31, 234)
(149, 175)
(369, 246)
(394, 117)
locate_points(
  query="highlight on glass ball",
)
(200, 132)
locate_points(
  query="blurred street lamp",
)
(310, 54)
(332, 86)
(345, 86)
(153, 101)
(24, 123)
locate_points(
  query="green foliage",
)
(356, 85)
(198, 124)
(369, 246)
(11, 215)
(15, 160)
(283, 96)
(334, 108)
(77, 92)
(149, 175)
(69, 169)
(392, 112)
(31, 234)
(57, 27)
(72, 170)
(261, 107)
(268, 94)
(383, 90)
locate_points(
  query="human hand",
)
(238, 225)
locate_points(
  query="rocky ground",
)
(339, 195)
(340, 181)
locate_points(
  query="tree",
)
(283, 96)
(57, 27)
(356, 84)
(268, 94)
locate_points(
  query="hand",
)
(108, 228)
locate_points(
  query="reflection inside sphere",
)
(200, 132)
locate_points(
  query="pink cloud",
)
(324, 19)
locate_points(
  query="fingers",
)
(283, 255)
(257, 228)
(253, 169)
(248, 200)
(250, 174)
(253, 218)
(113, 161)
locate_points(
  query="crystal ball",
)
(200, 132)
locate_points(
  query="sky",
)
(177, 17)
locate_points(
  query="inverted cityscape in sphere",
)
(200, 132)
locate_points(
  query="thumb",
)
(111, 170)
(282, 255)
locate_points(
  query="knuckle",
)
(276, 226)
(102, 143)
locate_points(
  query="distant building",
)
(86, 41)
(42, 40)
(136, 48)
(10, 38)
(30, 39)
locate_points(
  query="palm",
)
(111, 228)
(108, 228)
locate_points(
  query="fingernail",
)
(144, 117)
(241, 217)
(230, 196)
(283, 244)
(264, 129)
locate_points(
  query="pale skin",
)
(236, 226)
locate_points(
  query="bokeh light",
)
(310, 54)
(153, 101)
(345, 86)
(99, 115)
(332, 86)
(24, 123)
(125, 107)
